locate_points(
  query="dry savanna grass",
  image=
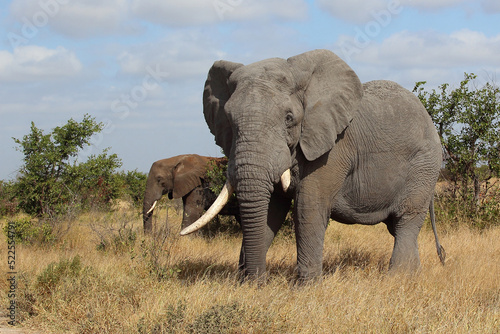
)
(106, 277)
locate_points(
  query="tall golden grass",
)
(171, 284)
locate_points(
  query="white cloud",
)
(78, 18)
(181, 55)
(33, 63)
(279, 9)
(199, 12)
(491, 6)
(358, 11)
(175, 13)
(407, 57)
(85, 18)
(433, 49)
(432, 4)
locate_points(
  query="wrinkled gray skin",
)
(183, 176)
(358, 153)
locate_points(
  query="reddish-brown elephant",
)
(183, 176)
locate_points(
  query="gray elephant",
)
(183, 176)
(306, 129)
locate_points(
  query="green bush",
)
(8, 203)
(30, 231)
(453, 210)
(55, 272)
(93, 182)
(133, 185)
(231, 318)
(219, 319)
(216, 176)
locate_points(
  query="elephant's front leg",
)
(194, 204)
(313, 203)
(311, 221)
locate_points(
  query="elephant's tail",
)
(440, 250)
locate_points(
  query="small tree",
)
(468, 122)
(51, 178)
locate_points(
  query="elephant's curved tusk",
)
(214, 209)
(286, 179)
(152, 207)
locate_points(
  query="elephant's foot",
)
(309, 274)
(251, 273)
(406, 260)
(411, 266)
(405, 255)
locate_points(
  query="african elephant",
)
(356, 153)
(183, 176)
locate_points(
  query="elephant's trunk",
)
(151, 197)
(253, 197)
(147, 215)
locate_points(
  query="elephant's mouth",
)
(170, 195)
(222, 199)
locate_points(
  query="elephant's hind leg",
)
(405, 231)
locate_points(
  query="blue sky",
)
(140, 65)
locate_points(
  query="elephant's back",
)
(392, 122)
(399, 112)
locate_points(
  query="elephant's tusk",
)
(286, 179)
(214, 209)
(152, 207)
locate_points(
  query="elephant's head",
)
(175, 177)
(264, 114)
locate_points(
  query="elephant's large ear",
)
(188, 174)
(331, 90)
(215, 96)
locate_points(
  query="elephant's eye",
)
(289, 119)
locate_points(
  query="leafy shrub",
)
(454, 210)
(129, 185)
(30, 231)
(93, 182)
(218, 319)
(135, 183)
(216, 176)
(8, 202)
(55, 272)
(231, 318)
